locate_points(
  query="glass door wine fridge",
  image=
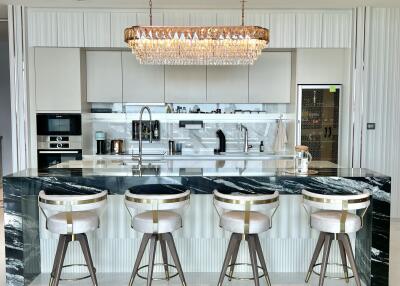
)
(318, 120)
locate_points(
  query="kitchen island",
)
(288, 245)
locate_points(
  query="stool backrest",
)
(336, 202)
(157, 202)
(234, 202)
(72, 203)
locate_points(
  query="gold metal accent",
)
(362, 216)
(244, 278)
(333, 277)
(245, 201)
(70, 229)
(73, 279)
(77, 202)
(343, 202)
(157, 279)
(246, 222)
(160, 201)
(343, 218)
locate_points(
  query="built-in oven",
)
(59, 124)
(59, 139)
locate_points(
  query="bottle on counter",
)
(262, 148)
(156, 132)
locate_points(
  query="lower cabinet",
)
(58, 79)
(141, 83)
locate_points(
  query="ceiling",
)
(207, 3)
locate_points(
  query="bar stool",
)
(335, 219)
(72, 216)
(245, 216)
(154, 212)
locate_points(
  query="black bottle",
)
(262, 146)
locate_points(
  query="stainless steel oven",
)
(59, 139)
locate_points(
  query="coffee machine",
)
(101, 143)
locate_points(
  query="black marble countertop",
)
(195, 172)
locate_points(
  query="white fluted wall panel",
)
(382, 100)
(336, 29)
(201, 244)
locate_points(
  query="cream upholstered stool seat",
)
(154, 211)
(72, 216)
(335, 218)
(245, 216)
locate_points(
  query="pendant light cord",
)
(243, 1)
(151, 12)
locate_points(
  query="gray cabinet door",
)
(185, 84)
(58, 79)
(141, 83)
(104, 76)
(270, 78)
(228, 84)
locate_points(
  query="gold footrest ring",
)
(243, 278)
(334, 277)
(158, 279)
(74, 279)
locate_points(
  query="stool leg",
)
(164, 256)
(235, 253)
(228, 257)
(261, 258)
(152, 255)
(317, 251)
(253, 258)
(325, 257)
(58, 252)
(139, 256)
(172, 248)
(82, 238)
(59, 259)
(349, 251)
(344, 260)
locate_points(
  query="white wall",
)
(330, 66)
(5, 105)
(380, 147)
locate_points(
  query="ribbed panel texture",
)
(382, 105)
(201, 244)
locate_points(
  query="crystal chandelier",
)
(191, 45)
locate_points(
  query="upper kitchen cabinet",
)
(141, 83)
(185, 84)
(58, 80)
(270, 78)
(176, 18)
(42, 28)
(229, 18)
(227, 84)
(97, 29)
(336, 29)
(282, 30)
(70, 29)
(256, 18)
(203, 18)
(104, 76)
(119, 22)
(308, 29)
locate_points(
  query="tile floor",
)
(197, 279)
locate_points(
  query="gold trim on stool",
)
(246, 201)
(160, 201)
(76, 202)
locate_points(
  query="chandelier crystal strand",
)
(212, 45)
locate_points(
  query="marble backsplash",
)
(198, 141)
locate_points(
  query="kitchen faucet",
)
(246, 138)
(140, 133)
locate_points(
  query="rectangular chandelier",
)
(219, 45)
